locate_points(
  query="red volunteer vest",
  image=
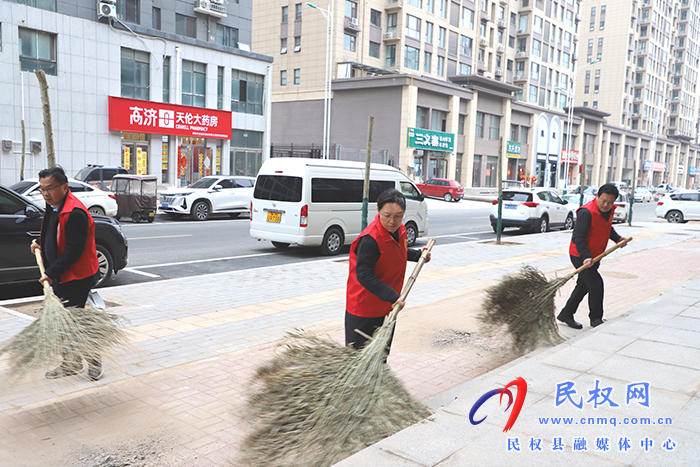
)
(599, 232)
(86, 265)
(390, 269)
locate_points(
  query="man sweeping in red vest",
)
(68, 250)
(591, 234)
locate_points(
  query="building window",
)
(391, 55)
(428, 33)
(297, 76)
(194, 83)
(465, 69)
(416, 3)
(465, 46)
(494, 126)
(37, 51)
(297, 43)
(391, 20)
(226, 36)
(411, 55)
(297, 8)
(283, 78)
(155, 18)
(185, 26)
(350, 9)
(220, 88)
(442, 32)
(427, 59)
(128, 10)
(412, 27)
(283, 46)
(374, 49)
(247, 92)
(440, 66)
(135, 74)
(349, 42)
(375, 18)
(166, 79)
(533, 93)
(443, 8)
(467, 18)
(430, 6)
(49, 5)
(479, 125)
(422, 117)
(285, 14)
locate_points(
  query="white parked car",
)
(622, 211)
(219, 194)
(642, 195)
(573, 201)
(680, 206)
(533, 209)
(95, 200)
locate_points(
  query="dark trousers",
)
(589, 282)
(75, 292)
(367, 325)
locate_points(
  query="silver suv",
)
(222, 194)
(533, 209)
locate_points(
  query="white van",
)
(316, 202)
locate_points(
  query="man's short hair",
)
(57, 173)
(609, 189)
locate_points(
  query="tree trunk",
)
(46, 110)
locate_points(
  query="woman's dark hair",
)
(56, 172)
(609, 189)
(391, 195)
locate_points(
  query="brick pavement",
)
(189, 367)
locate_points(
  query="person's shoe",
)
(64, 369)
(597, 322)
(571, 322)
(95, 369)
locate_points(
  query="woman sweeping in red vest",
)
(591, 235)
(377, 269)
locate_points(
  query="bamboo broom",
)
(321, 402)
(524, 304)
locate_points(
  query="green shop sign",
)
(512, 150)
(430, 140)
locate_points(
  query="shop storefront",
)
(431, 153)
(246, 152)
(196, 134)
(568, 166)
(516, 166)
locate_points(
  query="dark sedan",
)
(20, 223)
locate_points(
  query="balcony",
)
(391, 5)
(520, 76)
(483, 41)
(501, 24)
(481, 67)
(351, 24)
(391, 36)
(521, 31)
(521, 54)
(501, 48)
(498, 73)
(485, 17)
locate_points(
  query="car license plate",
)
(274, 217)
(164, 205)
(510, 206)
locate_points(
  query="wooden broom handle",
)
(40, 263)
(412, 278)
(604, 254)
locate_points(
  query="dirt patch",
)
(33, 309)
(493, 242)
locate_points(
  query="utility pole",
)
(499, 171)
(46, 109)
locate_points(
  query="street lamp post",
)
(569, 125)
(328, 15)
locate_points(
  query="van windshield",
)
(278, 188)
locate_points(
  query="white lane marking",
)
(194, 261)
(161, 236)
(136, 271)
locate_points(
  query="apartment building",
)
(469, 72)
(167, 87)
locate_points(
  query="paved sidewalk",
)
(198, 340)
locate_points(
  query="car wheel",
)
(151, 219)
(569, 222)
(96, 210)
(411, 233)
(447, 197)
(200, 211)
(543, 225)
(136, 218)
(116, 218)
(281, 245)
(675, 217)
(332, 242)
(234, 215)
(456, 200)
(105, 264)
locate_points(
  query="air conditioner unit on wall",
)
(106, 10)
(354, 22)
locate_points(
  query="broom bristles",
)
(321, 402)
(82, 331)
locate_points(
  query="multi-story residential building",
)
(470, 72)
(168, 88)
